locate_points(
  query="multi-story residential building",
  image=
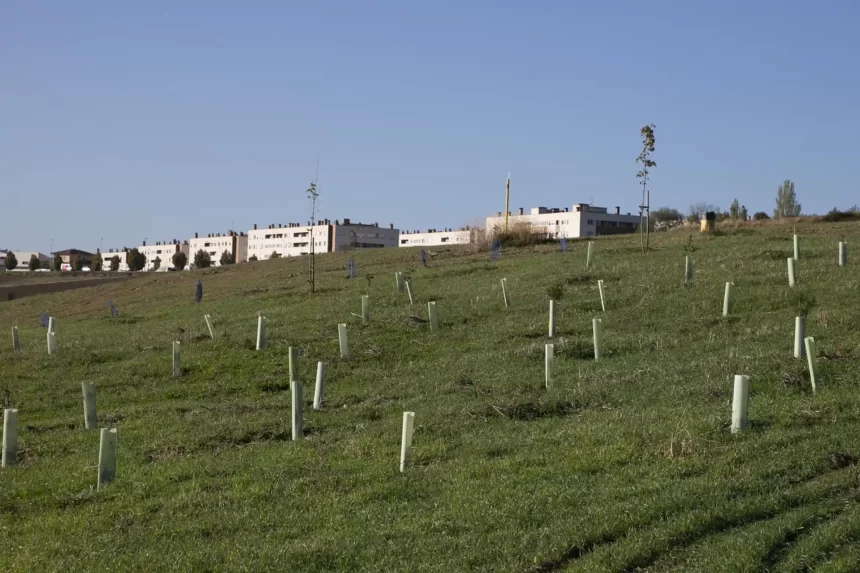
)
(165, 252)
(582, 220)
(216, 243)
(435, 238)
(293, 239)
(289, 240)
(347, 235)
(111, 253)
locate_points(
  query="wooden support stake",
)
(812, 358)
(90, 419)
(602, 298)
(10, 437)
(209, 326)
(740, 404)
(298, 434)
(16, 344)
(505, 292)
(406, 440)
(107, 456)
(342, 340)
(318, 389)
(409, 291)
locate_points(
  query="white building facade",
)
(581, 220)
(165, 252)
(433, 238)
(216, 243)
(107, 256)
(294, 240)
(290, 240)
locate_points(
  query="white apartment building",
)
(290, 240)
(293, 239)
(108, 255)
(434, 238)
(163, 251)
(216, 243)
(23, 258)
(582, 220)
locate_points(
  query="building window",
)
(590, 221)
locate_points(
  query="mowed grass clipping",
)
(626, 464)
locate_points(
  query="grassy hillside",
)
(626, 464)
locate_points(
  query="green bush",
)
(34, 263)
(114, 263)
(180, 259)
(11, 261)
(226, 258)
(202, 259)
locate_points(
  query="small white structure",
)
(111, 253)
(433, 238)
(216, 243)
(290, 240)
(581, 220)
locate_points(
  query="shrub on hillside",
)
(180, 259)
(226, 258)
(252, 258)
(34, 264)
(835, 215)
(58, 262)
(114, 263)
(521, 235)
(275, 255)
(97, 262)
(77, 264)
(202, 259)
(11, 261)
(156, 264)
(761, 216)
(135, 260)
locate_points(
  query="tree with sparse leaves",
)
(156, 264)
(312, 194)
(226, 258)
(667, 214)
(734, 209)
(97, 262)
(114, 263)
(648, 141)
(11, 261)
(34, 263)
(58, 262)
(786, 201)
(202, 259)
(180, 259)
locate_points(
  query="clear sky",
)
(156, 119)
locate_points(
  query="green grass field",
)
(626, 464)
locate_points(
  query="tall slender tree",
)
(313, 193)
(786, 201)
(648, 141)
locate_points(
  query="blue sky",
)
(126, 120)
